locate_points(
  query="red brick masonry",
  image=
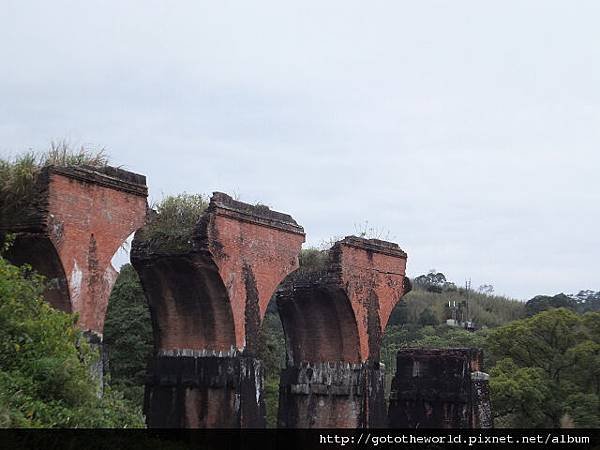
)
(79, 218)
(333, 322)
(207, 300)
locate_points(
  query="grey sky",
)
(467, 131)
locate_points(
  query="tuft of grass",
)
(60, 154)
(173, 224)
(18, 175)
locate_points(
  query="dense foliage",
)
(173, 222)
(272, 352)
(45, 363)
(128, 335)
(313, 259)
(547, 370)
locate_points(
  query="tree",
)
(128, 335)
(434, 282)
(541, 303)
(45, 376)
(427, 317)
(271, 352)
(543, 341)
(522, 396)
(547, 368)
(487, 289)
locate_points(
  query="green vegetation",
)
(430, 297)
(128, 336)
(19, 175)
(173, 223)
(272, 352)
(545, 369)
(45, 363)
(312, 259)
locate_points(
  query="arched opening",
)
(189, 304)
(320, 326)
(321, 329)
(39, 252)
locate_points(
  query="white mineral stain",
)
(75, 281)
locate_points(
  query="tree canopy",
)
(547, 370)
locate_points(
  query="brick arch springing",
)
(207, 301)
(319, 325)
(69, 231)
(189, 304)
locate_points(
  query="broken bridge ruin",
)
(333, 322)
(208, 297)
(207, 303)
(72, 224)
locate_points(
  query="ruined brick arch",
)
(340, 314)
(212, 293)
(189, 305)
(71, 229)
(320, 326)
(208, 298)
(333, 322)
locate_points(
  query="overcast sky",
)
(466, 131)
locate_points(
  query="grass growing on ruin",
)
(18, 175)
(174, 221)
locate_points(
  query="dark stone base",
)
(204, 392)
(439, 388)
(332, 395)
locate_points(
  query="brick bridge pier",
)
(75, 221)
(207, 302)
(333, 322)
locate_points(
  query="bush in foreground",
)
(45, 376)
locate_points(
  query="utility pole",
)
(467, 289)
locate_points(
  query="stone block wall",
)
(440, 388)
